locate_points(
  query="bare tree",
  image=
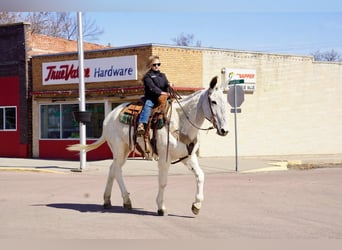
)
(40, 22)
(328, 56)
(186, 40)
(56, 24)
(10, 17)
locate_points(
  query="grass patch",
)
(308, 166)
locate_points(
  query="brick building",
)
(291, 105)
(17, 45)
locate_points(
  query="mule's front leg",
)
(195, 168)
(162, 178)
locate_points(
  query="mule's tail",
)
(95, 145)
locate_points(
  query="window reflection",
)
(57, 121)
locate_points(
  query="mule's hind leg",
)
(125, 195)
(109, 185)
(116, 172)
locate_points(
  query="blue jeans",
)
(146, 111)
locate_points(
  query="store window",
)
(115, 104)
(57, 121)
(8, 118)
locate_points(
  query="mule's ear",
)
(213, 82)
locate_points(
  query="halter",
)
(212, 119)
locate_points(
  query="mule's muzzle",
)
(222, 132)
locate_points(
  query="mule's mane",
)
(190, 102)
(186, 111)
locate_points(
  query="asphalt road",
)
(267, 205)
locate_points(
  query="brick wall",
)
(295, 109)
(12, 49)
(183, 66)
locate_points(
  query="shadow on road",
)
(94, 208)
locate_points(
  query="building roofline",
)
(180, 47)
(14, 24)
(230, 50)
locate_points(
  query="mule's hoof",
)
(162, 212)
(107, 205)
(194, 209)
(127, 206)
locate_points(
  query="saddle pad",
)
(132, 111)
(128, 112)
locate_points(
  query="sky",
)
(278, 32)
(287, 27)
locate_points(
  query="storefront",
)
(15, 106)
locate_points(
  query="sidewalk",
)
(138, 166)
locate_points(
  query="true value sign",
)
(120, 68)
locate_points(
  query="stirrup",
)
(140, 129)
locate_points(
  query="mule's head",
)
(216, 109)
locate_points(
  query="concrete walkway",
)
(138, 166)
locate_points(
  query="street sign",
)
(236, 96)
(239, 95)
(236, 81)
(235, 110)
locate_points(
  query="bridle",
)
(213, 118)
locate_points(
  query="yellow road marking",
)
(277, 166)
(30, 170)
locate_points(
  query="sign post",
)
(236, 96)
(82, 102)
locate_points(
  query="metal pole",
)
(235, 122)
(82, 104)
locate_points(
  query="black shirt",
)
(155, 82)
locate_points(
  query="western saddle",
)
(158, 118)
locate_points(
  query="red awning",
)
(121, 91)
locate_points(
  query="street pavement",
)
(264, 205)
(44, 199)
